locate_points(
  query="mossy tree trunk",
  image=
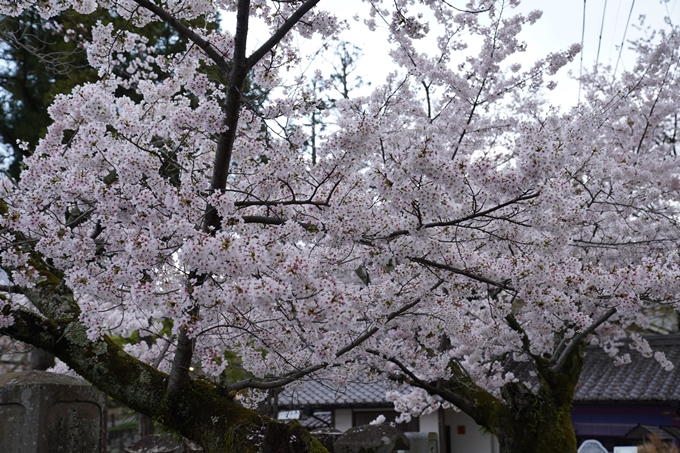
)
(523, 420)
(534, 423)
(200, 412)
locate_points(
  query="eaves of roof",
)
(601, 381)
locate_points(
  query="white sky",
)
(560, 26)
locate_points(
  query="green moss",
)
(201, 413)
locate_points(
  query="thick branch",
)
(202, 413)
(241, 204)
(101, 362)
(459, 401)
(185, 31)
(264, 220)
(266, 385)
(578, 338)
(179, 373)
(541, 364)
(280, 33)
(460, 391)
(54, 301)
(455, 270)
(232, 109)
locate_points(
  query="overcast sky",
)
(560, 26)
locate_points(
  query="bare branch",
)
(472, 11)
(264, 385)
(525, 196)
(366, 335)
(159, 359)
(459, 401)
(526, 344)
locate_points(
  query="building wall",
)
(467, 436)
(429, 423)
(343, 419)
(469, 439)
(609, 423)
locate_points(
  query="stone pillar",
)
(423, 442)
(327, 437)
(45, 412)
(371, 439)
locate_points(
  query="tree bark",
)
(524, 420)
(201, 412)
(535, 423)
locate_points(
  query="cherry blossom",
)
(453, 225)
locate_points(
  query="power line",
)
(616, 24)
(670, 18)
(599, 42)
(583, 35)
(624, 38)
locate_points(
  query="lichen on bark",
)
(199, 412)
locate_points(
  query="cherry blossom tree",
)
(453, 228)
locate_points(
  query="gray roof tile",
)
(601, 381)
(322, 393)
(642, 380)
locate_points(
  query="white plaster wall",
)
(343, 419)
(474, 440)
(430, 423)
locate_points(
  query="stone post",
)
(371, 439)
(43, 412)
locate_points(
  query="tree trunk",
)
(524, 420)
(537, 423)
(540, 420)
(200, 412)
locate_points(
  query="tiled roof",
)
(321, 393)
(644, 431)
(643, 380)
(672, 430)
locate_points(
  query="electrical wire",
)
(583, 35)
(616, 23)
(599, 42)
(632, 5)
(668, 12)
